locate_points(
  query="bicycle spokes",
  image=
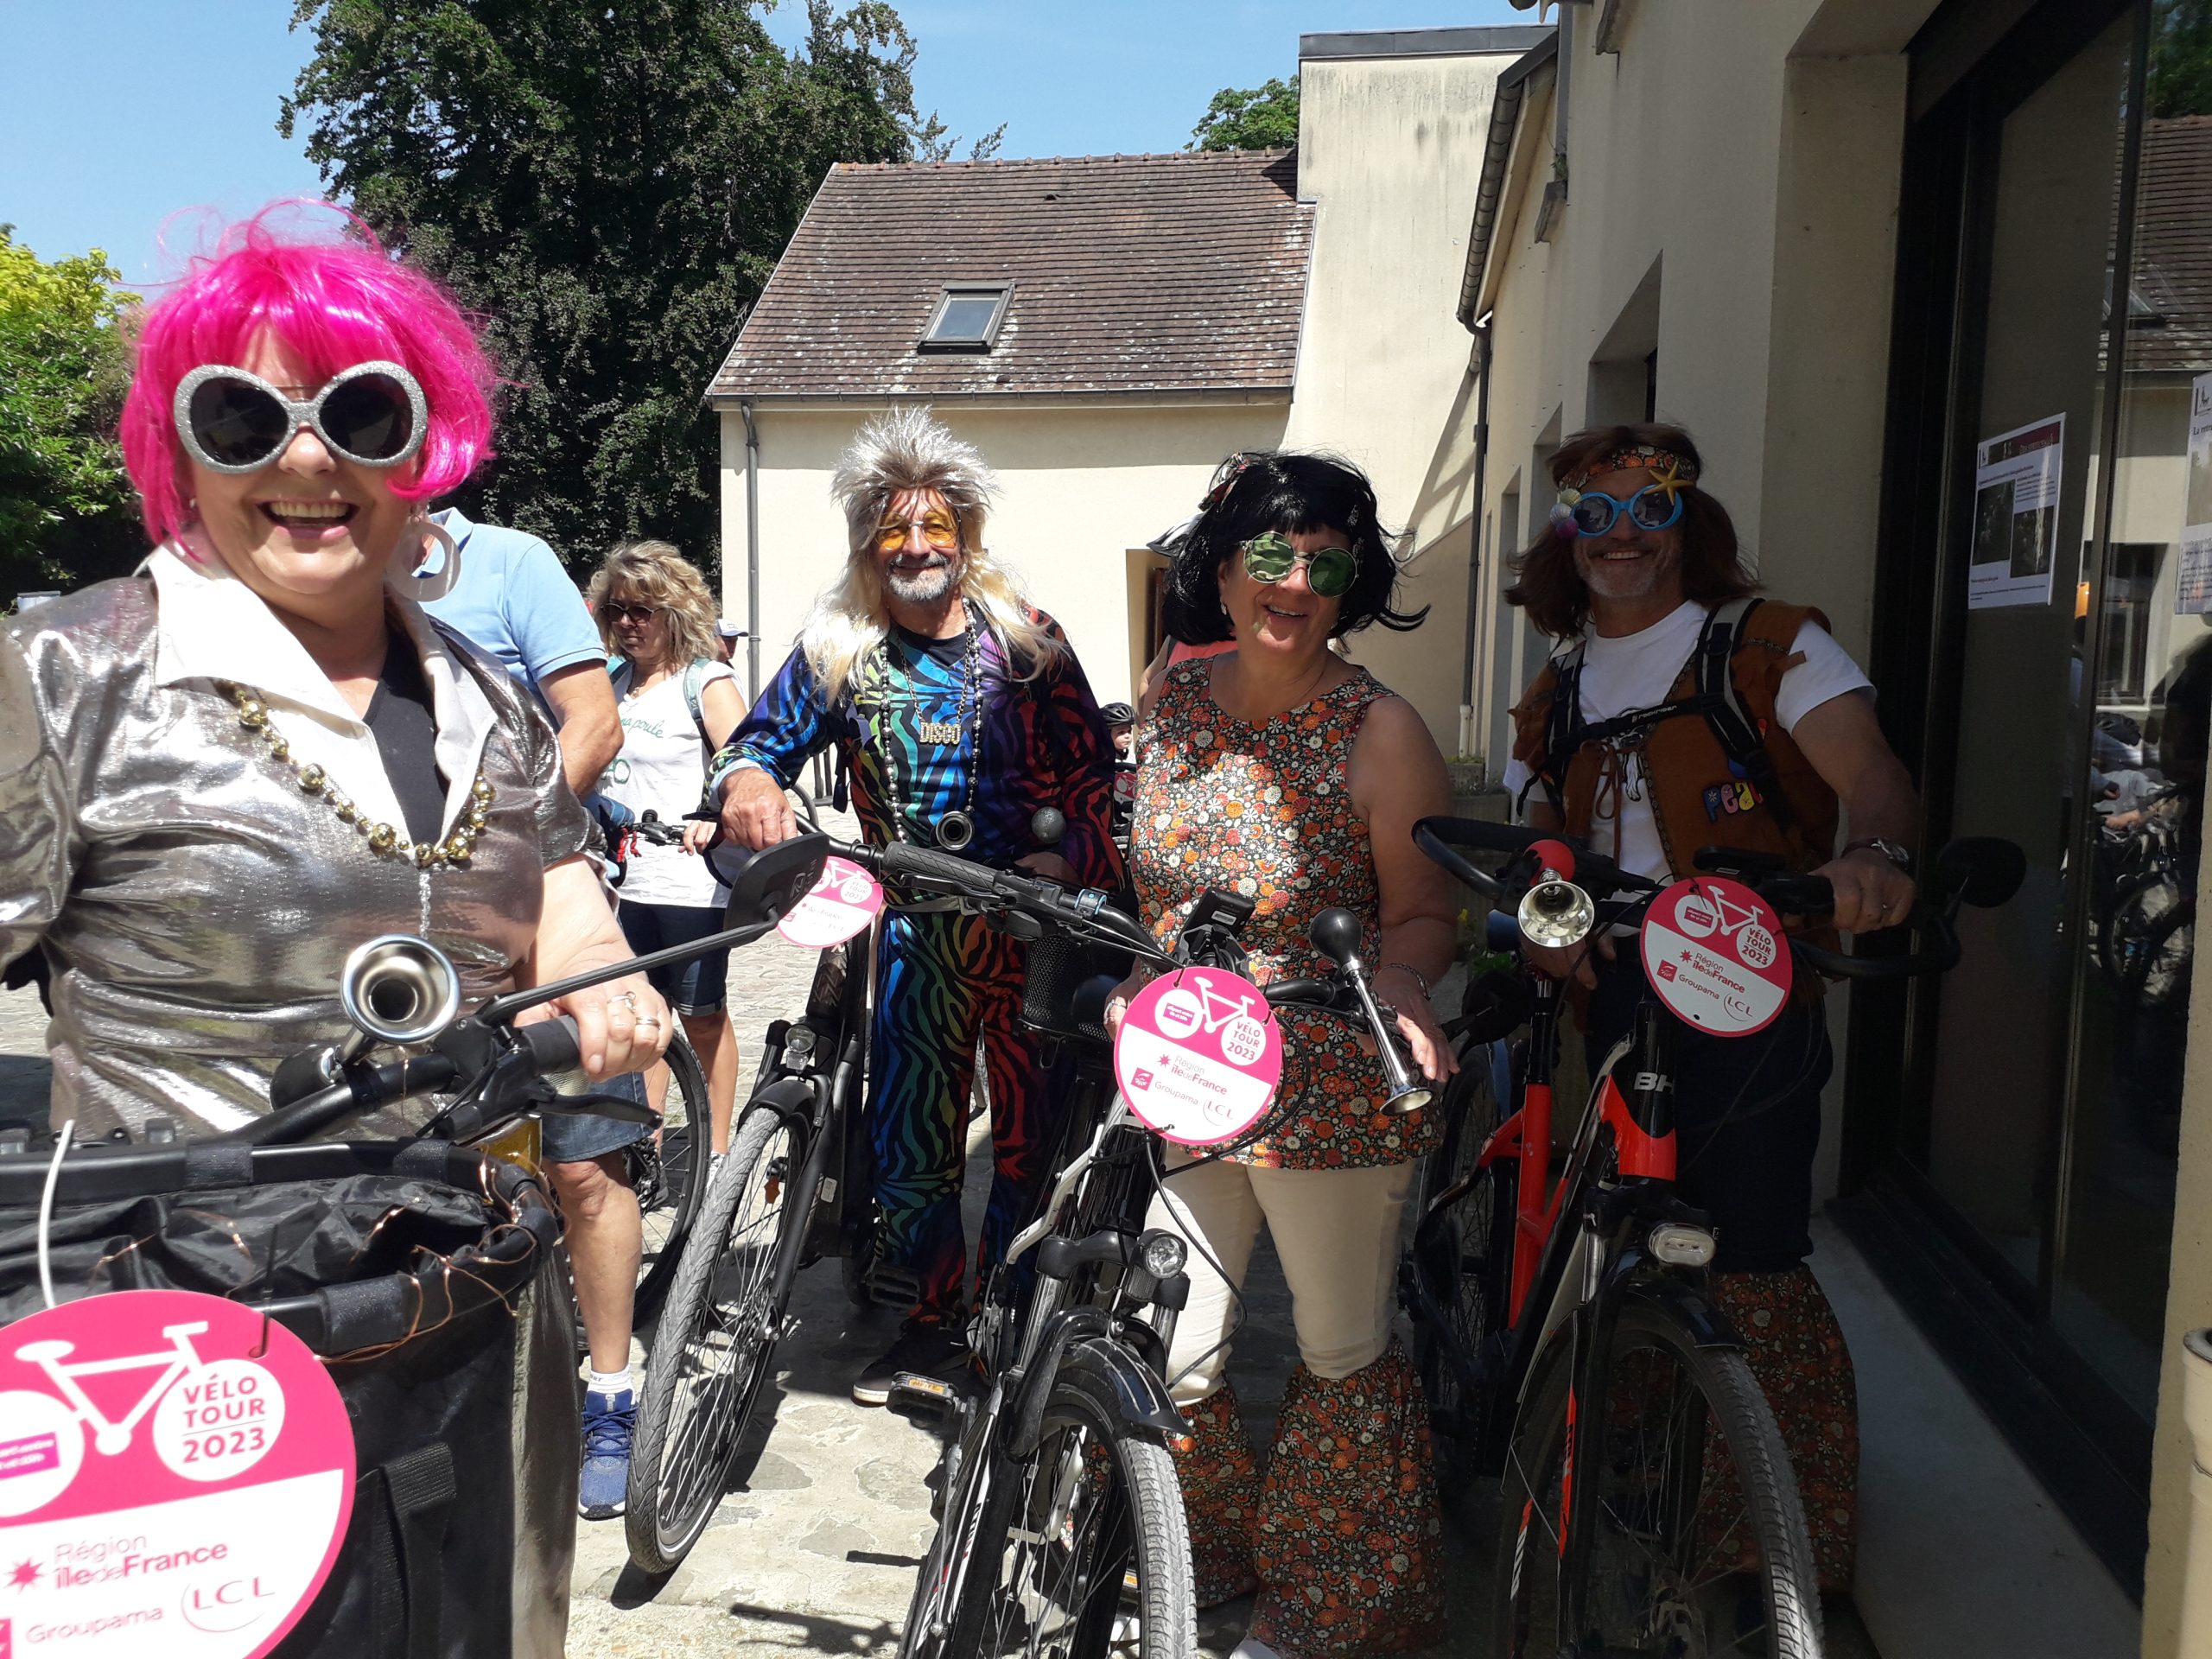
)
(1676, 1563)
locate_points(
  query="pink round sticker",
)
(843, 902)
(1715, 952)
(1199, 1056)
(175, 1475)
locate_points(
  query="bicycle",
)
(1650, 1506)
(1060, 1516)
(797, 1150)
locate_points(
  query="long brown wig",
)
(1551, 590)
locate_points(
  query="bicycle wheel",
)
(1064, 1550)
(1695, 1540)
(2149, 941)
(712, 1347)
(671, 1176)
(1462, 1254)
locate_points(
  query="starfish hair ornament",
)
(1667, 478)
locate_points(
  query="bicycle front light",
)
(1681, 1245)
(1162, 1255)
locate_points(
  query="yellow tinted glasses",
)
(940, 531)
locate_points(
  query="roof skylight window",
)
(967, 317)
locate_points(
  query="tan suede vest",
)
(1697, 798)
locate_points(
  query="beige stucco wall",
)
(1390, 150)
(1082, 486)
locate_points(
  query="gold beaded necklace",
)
(382, 839)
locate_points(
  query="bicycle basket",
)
(423, 1275)
(1059, 968)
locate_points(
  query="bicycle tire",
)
(1053, 1581)
(670, 1194)
(713, 1346)
(1465, 1264)
(1696, 1586)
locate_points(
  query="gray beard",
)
(923, 587)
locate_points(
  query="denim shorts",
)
(698, 986)
(579, 1138)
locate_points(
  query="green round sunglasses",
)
(1329, 571)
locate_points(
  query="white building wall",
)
(1390, 150)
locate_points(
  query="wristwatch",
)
(1896, 852)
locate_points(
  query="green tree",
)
(1265, 118)
(2180, 69)
(67, 513)
(609, 186)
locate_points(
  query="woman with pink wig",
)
(221, 774)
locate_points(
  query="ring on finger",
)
(624, 1000)
(647, 1022)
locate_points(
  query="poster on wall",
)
(2193, 595)
(2016, 515)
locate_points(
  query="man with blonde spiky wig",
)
(959, 711)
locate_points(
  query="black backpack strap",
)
(1723, 705)
(1563, 733)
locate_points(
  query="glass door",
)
(2046, 201)
(2071, 702)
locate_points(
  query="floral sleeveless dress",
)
(1265, 810)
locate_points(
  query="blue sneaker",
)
(610, 1422)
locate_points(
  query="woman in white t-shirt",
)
(679, 703)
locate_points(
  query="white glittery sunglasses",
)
(233, 421)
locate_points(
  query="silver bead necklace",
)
(956, 828)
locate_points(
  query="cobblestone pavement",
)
(815, 1549)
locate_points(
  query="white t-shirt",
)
(662, 768)
(1636, 670)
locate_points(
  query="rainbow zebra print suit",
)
(945, 981)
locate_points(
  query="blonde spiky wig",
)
(909, 448)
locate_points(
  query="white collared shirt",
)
(213, 627)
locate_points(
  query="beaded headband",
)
(1675, 470)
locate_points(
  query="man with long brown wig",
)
(1639, 575)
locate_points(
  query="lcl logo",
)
(231, 1605)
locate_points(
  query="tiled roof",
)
(2173, 247)
(1180, 273)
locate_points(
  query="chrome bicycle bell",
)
(1556, 913)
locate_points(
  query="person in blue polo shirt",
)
(514, 599)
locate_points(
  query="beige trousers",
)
(1336, 1233)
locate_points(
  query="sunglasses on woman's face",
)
(233, 421)
(1652, 507)
(940, 532)
(619, 613)
(1329, 570)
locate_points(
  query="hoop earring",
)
(423, 588)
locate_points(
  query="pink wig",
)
(331, 305)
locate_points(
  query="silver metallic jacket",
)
(194, 904)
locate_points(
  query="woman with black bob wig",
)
(1255, 492)
(1284, 772)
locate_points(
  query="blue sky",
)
(121, 118)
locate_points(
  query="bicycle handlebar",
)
(547, 1046)
(1978, 870)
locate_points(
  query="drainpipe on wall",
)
(2197, 1554)
(1475, 539)
(751, 553)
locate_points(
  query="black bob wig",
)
(1254, 493)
